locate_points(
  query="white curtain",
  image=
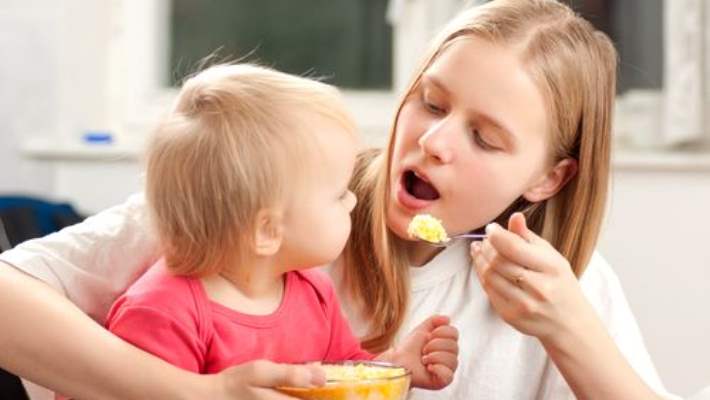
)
(686, 71)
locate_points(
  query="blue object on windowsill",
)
(97, 137)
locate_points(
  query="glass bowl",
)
(357, 380)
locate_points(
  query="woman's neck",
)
(255, 287)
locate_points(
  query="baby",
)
(247, 186)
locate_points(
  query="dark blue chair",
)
(23, 218)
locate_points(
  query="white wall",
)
(53, 82)
(29, 100)
(658, 240)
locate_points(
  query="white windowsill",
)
(48, 149)
(623, 160)
(661, 161)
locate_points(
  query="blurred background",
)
(83, 81)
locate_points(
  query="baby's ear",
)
(553, 181)
(269, 232)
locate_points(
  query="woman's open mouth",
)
(416, 191)
(419, 187)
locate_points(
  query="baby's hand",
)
(430, 352)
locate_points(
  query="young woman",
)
(506, 122)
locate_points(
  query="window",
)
(636, 28)
(347, 42)
(662, 48)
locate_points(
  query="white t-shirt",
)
(495, 360)
(93, 262)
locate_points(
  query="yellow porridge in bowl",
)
(428, 228)
(358, 380)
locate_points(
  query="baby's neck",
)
(255, 289)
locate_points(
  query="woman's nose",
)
(436, 142)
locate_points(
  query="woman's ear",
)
(269, 232)
(553, 181)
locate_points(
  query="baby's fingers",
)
(445, 358)
(434, 345)
(445, 332)
(442, 375)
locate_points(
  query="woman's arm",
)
(46, 339)
(533, 288)
(592, 364)
(93, 262)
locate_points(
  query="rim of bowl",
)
(381, 364)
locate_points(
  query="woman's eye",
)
(481, 142)
(432, 107)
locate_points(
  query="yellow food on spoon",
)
(426, 227)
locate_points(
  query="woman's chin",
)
(397, 222)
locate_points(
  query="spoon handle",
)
(478, 236)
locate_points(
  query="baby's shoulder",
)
(318, 281)
(160, 290)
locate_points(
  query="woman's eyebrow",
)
(508, 134)
(431, 79)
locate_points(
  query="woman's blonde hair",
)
(574, 66)
(233, 145)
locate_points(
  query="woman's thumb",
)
(518, 225)
(270, 374)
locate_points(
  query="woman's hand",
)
(257, 380)
(529, 283)
(532, 287)
(430, 352)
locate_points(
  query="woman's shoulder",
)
(599, 275)
(603, 289)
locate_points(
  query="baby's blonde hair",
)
(574, 66)
(235, 143)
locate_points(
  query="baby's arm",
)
(430, 352)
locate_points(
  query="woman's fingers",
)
(269, 374)
(506, 289)
(513, 247)
(518, 225)
(530, 281)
